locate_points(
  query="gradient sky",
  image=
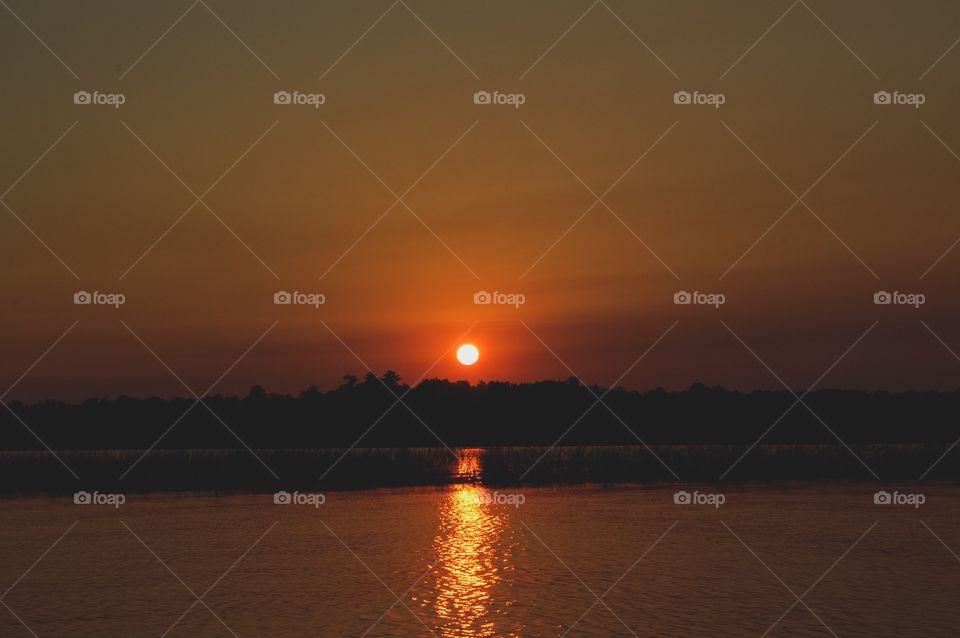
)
(492, 207)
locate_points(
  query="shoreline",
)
(231, 471)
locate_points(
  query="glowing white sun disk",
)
(467, 354)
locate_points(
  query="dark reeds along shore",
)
(240, 471)
(437, 412)
(359, 435)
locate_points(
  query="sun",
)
(467, 354)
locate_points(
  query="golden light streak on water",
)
(472, 557)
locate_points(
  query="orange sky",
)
(288, 215)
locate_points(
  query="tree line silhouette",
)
(385, 412)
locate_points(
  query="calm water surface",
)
(455, 562)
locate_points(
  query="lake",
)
(464, 561)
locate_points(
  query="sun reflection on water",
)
(473, 557)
